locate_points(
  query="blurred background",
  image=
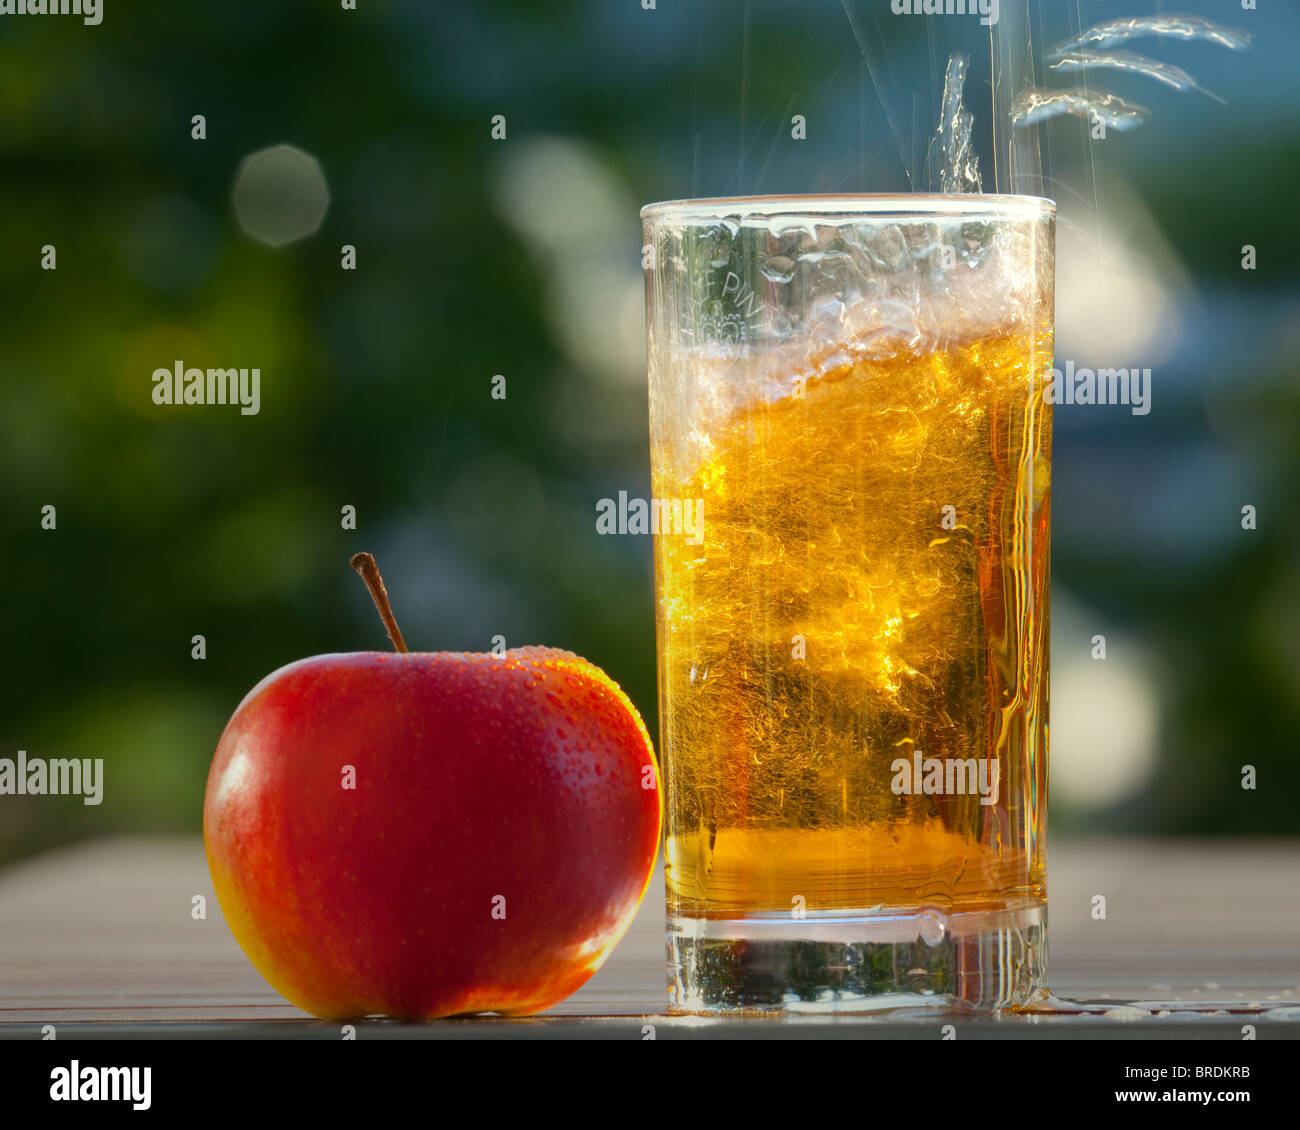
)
(519, 256)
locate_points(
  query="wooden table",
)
(98, 939)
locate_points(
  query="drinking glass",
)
(847, 403)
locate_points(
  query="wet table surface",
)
(98, 939)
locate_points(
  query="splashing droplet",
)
(1172, 25)
(1167, 73)
(954, 166)
(1033, 104)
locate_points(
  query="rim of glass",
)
(866, 205)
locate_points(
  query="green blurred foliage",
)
(376, 383)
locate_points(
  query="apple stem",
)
(364, 564)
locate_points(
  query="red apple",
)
(425, 834)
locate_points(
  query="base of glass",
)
(854, 961)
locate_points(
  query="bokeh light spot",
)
(280, 195)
